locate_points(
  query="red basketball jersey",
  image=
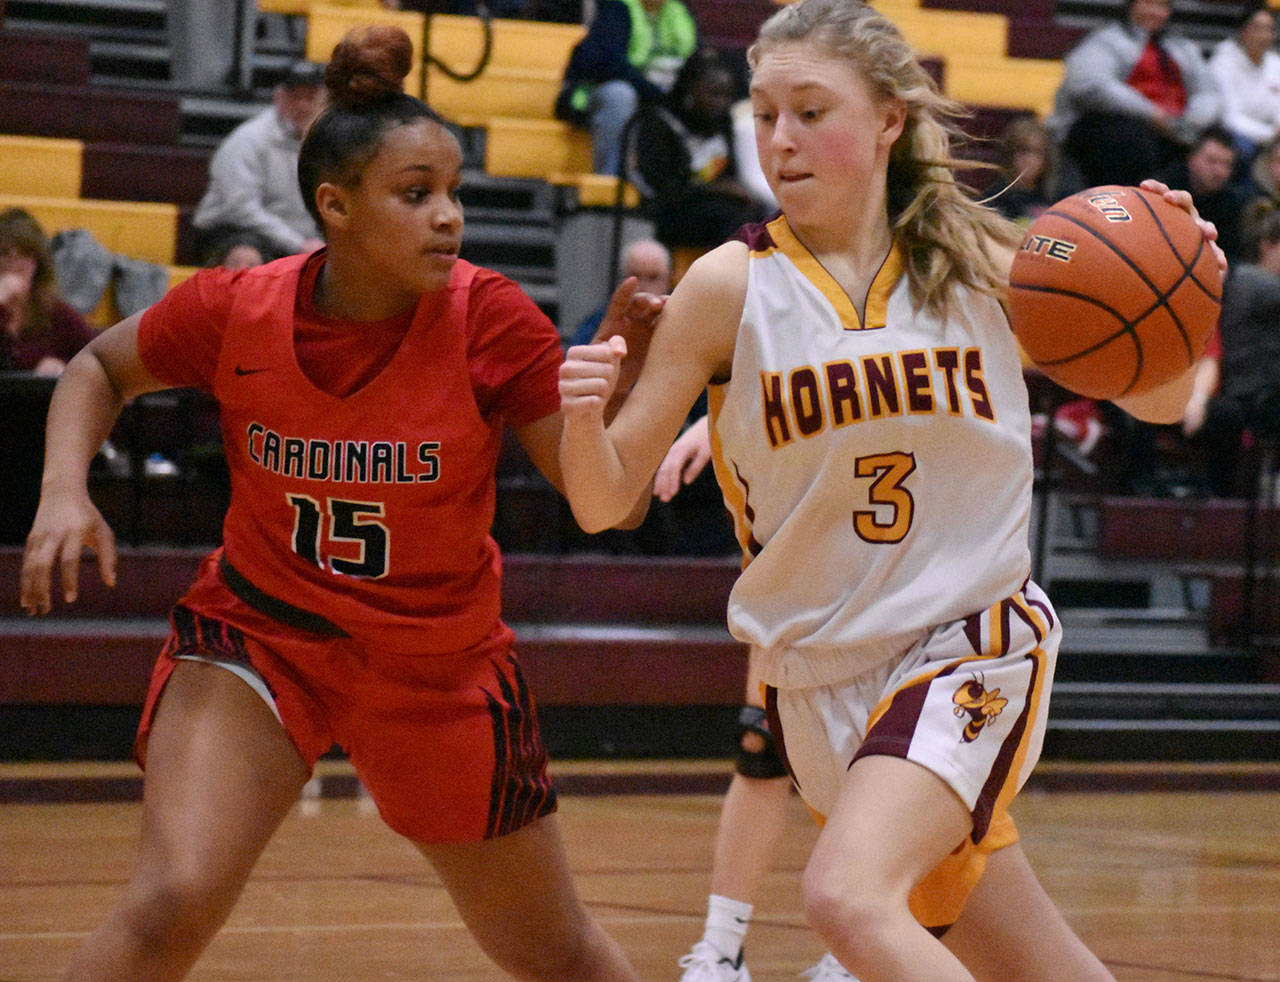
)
(372, 510)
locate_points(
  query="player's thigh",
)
(892, 823)
(220, 776)
(514, 892)
(1011, 929)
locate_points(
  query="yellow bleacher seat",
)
(535, 147)
(180, 274)
(535, 46)
(596, 190)
(1018, 83)
(41, 165)
(499, 91)
(304, 6)
(143, 230)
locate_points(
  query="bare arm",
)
(606, 470)
(96, 384)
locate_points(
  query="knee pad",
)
(762, 762)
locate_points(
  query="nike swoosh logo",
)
(250, 371)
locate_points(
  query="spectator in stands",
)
(1263, 192)
(687, 160)
(237, 249)
(39, 331)
(631, 54)
(1248, 394)
(1027, 182)
(1206, 173)
(253, 176)
(1247, 73)
(1133, 98)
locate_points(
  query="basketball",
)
(1114, 291)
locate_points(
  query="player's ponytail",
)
(365, 82)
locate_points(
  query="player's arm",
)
(541, 441)
(90, 393)
(607, 469)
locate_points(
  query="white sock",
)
(727, 921)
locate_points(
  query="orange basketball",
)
(1114, 291)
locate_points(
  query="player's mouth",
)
(792, 177)
(443, 251)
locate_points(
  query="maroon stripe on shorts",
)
(986, 802)
(892, 733)
(520, 790)
(775, 728)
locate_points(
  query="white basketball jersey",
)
(879, 474)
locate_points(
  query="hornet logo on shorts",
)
(973, 699)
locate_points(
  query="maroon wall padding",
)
(1190, 531)
(87, 113)
(44, 58)
(135, 172)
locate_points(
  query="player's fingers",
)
(69, 568)
(597, 351)
(621, 298)
(105, 546)
(34, 581)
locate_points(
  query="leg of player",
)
(220, 777)
(892, 823)
(516, 897)
(751, 820)
(1011, 929)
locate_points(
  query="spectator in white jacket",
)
(253, 176)
(1133, 98)
(1246, 70)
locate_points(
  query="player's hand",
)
(1182, 199)
(64, 526)
(631, 316)
(589, 378)
(684, 461)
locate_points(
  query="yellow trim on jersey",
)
(882, 286)
(734, 497)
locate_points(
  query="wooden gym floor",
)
(1163, 884)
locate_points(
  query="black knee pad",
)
(762, 763)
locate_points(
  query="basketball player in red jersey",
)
(363, 389)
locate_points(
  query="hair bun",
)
(369, 63)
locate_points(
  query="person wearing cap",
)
(253, 176)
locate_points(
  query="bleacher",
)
(628, 656)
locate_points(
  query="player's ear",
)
(893, 119)
(332, 203)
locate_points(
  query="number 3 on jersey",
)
(891, 521)
(353, 523)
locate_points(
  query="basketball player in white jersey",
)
(872, 438)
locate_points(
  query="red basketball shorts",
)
(447, 746)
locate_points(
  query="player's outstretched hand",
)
(632, 316)
(684, 461)
(1182, 199)
(64, 526)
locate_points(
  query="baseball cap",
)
(303, 73)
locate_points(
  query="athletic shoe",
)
(828, 970)
(705, 964)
